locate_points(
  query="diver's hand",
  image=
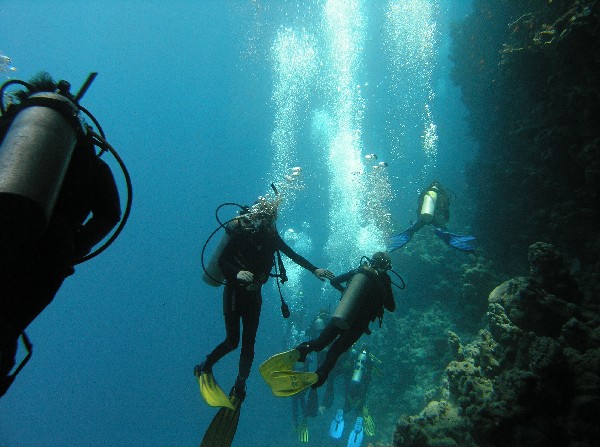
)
(323, 274)
(245, 276)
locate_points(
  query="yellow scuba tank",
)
(428, 206)
(359, 367)
(34, 157)
(345, 313)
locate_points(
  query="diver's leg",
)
(232, 340)
(25, 292)
(346, 339)
(250, 321)
(326, 336)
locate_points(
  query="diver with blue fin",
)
(434, 209)
(357, 377)
(367, 295)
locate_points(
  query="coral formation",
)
(531, 377)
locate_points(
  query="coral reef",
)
(445, 292)
(531, 377)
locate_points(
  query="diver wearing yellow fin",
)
(368, 293)
(245, 262)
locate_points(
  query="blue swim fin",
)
(400, 240)
(458, 241)
(356, 437)
(337, 425)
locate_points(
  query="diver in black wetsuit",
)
(246, 262)
(346, 326)
(31, 276)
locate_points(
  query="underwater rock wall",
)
(528, 71)
(531, 377)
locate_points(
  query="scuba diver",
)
(245, 262)
(433, 209)
(357, 377)
(244, 259)
(364, 300)
(58, 200)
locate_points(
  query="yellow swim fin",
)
(288, 383)
(368, 423)
(212, 394)
(283, 361)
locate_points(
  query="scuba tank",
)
(318, 325)
(212, 274)
(31, 176)
(359, 367)
(345, 312)
(428, 206)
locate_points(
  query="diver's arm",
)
(106, 209)
(345, 277)
(320, 273)
(287, 250)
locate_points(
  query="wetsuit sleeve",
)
(340, 279)
(105, 207)
(388, 301)
(287, 250)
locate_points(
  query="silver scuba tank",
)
(359, 367)
(34, 157)
(428, 206)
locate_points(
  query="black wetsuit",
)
(380, 297)
(29, 282)
(251, 251)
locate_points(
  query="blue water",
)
(185, 95)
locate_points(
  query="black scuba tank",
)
(346, 311)
(34, 157)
